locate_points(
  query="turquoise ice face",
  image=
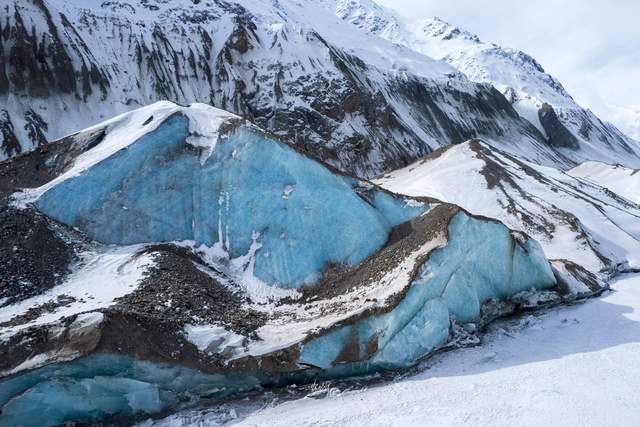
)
(481, 261)
(96, 387)
(157, 190)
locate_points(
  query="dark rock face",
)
(9, 142)
(33, 257)
(558, 135)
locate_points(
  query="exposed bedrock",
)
(558, 135)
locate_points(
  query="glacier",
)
(101, 385)
(482, 261)
(250, 188)
(363, 280)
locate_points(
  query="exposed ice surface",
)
(264, 214)
(100, 385)
(247, 188)
(481, 261)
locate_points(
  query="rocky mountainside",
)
(537, 96)
(359, 102)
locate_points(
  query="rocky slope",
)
(537, 96)
(353, 99)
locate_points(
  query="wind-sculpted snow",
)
(251, 191)
(481, 261)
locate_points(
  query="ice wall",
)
(250, 188)
(481, 261)
(99, 386)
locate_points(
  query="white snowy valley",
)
(309, 213)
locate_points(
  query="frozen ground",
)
(572, 366)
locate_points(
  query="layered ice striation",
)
(482, 261)
(249, 191)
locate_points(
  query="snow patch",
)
(214, 339)
(205, 123)
(99, 279)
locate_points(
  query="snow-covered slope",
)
(204, 249)
(355, 100)
(617, 178)
(573, 219)
(574, 366)
(537, 96)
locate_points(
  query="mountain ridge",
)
(361, 103)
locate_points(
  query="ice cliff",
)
(211, 258)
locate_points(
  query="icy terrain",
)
(574, 366)
(180, 254)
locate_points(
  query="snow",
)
(538, 200)
(514, 73)
(101, 277)
(617, 178)
(575, 284)
(480, 262)
(571, 366)
(204, 127)
(291, 324)
(213, 338)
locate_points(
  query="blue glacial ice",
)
(481, 261)
(101, 385)
(157, 190)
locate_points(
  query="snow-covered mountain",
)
(164, 252)
(351, 98)
(194, 255)
(537, 96)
